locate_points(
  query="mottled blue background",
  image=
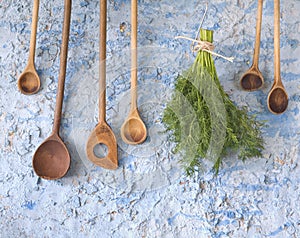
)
(149, 195)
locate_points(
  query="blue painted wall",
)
(149, 195)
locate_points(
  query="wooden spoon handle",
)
(63, 65)
(102, 66)
(258, 33)
(134, 14)
(277, 42)
(34, 23)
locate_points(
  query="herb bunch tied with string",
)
(204, 122)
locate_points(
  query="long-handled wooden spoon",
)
(278, 97)
(103, 134)
(253, 79)
(133, 131)
(52, 160)
(29, 81)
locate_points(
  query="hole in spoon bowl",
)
(51, 160)
(28, 82)
(278, 101)
(100, 150)
(251, 82)
(134, 131)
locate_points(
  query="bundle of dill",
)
(204, 122)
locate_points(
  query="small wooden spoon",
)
(133, 130)
(29, 81)
(253, 79)
(103, 134)
(52, 160)
(278, 97)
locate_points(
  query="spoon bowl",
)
(29, 82)
(103, 134)
(277, 100)
(133, 130)
(52, 159)
(252, 79)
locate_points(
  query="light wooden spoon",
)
(103, 134)
(29, 81)
(133, 130)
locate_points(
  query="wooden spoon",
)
(253, 79)
(29, 81)
(52, 160)
(103, 134)
(278, 97)
(133, 130)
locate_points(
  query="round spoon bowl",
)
(251, 81)
(51, 160)
(29, 82)
(134, 131)
(277, 100)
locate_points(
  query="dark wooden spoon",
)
(253, 79)
(278, 97)
(52, 159)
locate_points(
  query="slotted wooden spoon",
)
(103, 134)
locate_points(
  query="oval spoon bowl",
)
(133, 130)
(278, 100)
(52, 159)
(29, 82)
(252, 80)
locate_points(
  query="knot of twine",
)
(204, 46)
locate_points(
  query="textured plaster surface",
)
(149, 195)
